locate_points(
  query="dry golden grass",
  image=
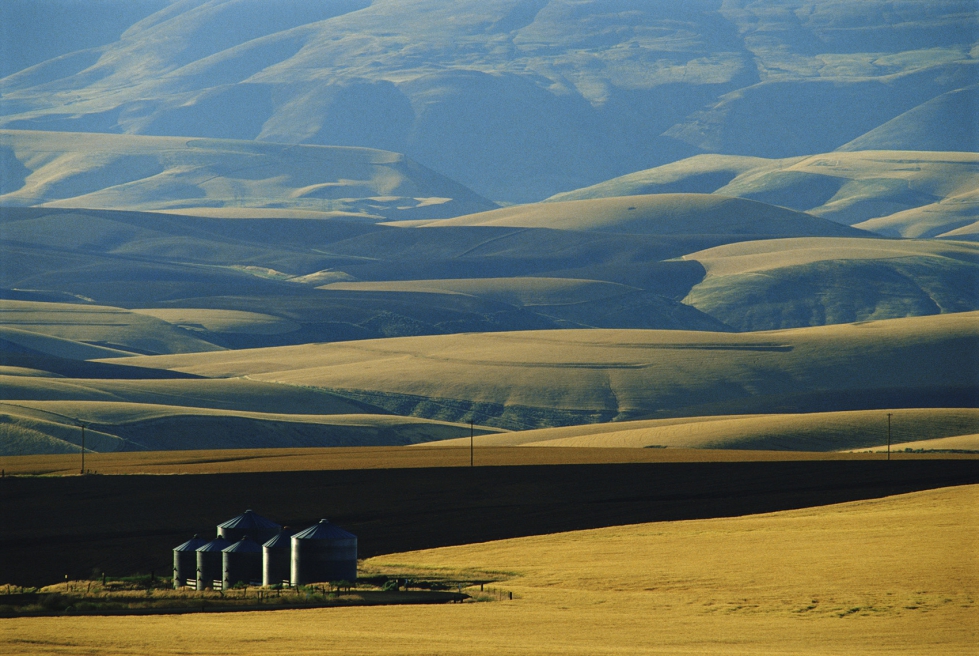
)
(766, 255)
(888, 576)
(817, 431)
(76, 331)
(221, 461)
(621, 374)
(529, 291)
(656, 214)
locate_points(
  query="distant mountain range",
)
(337, 222)
(516, 99)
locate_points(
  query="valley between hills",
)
(657, 320)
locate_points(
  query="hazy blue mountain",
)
(898, 193)
(516, 99)
(222, 178)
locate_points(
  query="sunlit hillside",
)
(222, 178)
(547, 378)
(930, 428)
(895, 193)
(786, 283)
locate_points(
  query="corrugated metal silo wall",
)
(209, 567)
(276, 564)
(184, 567)
(241, 566)
(319, 561)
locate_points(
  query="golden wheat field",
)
(226, 461)
(889, 576)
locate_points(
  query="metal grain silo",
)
(185, 561)
(323, 552)
(251, 524)
(277, 558)
(210, 564)
(242, 563)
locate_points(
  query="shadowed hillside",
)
(515, 99)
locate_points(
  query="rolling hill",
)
(892, 192)
(52, 427)
(930, 428)
(786, 283)
(516, 100)
(549, 378)
(658, 214)
(222, 178)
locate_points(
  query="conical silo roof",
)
(217, 544)
(250, 520)
(282, 540)
(324, 530)
(192, 544)
(244, 545)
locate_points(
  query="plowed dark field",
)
(80, 526)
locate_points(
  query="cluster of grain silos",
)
(250, 548)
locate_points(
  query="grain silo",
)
(210, 564)
(251, 524)
(185, 561)
(242, 563)
(323, 552)
(277, 558)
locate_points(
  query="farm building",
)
(323, 552)
(185, 561)
(242, 563)
(251, 524)
(210, 564)
(277, 558)
(253, 550)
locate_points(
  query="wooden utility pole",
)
(889, 435)
(471, 455)
(82, 424)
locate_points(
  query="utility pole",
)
(82, 425)
(471, 455)
(889, 435)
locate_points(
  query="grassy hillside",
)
(660, 214)
(893, 192)
(534, 379)
(29, 324)
(51, 427)
(222, 178)
(517, 100)
(788, 283)
(867, 577)
(941, 123)
(929, 428)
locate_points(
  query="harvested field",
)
(230, 461)
(887, 576)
